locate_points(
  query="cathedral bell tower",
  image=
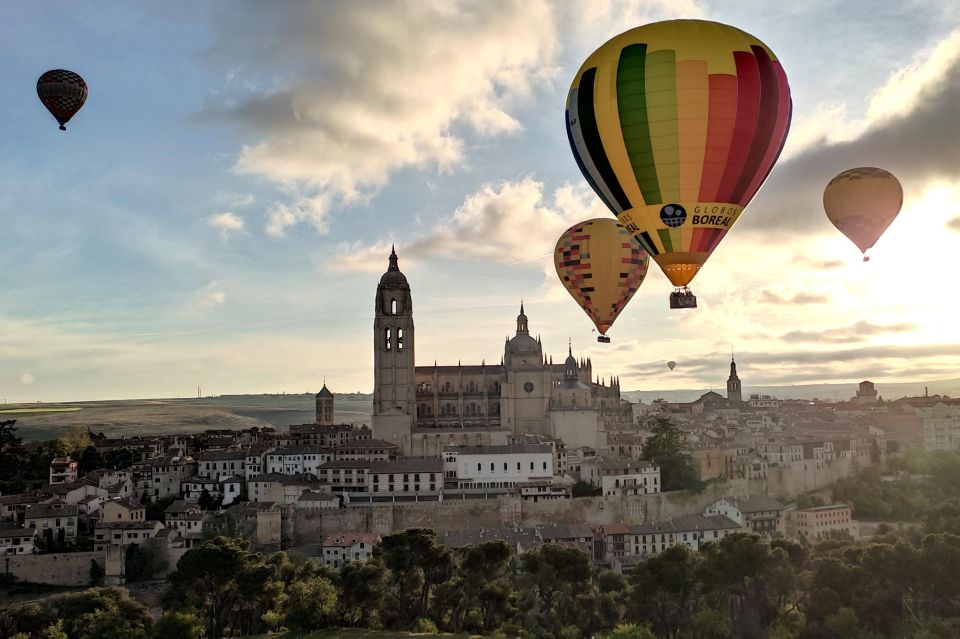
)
(394, 383)
(733, 384)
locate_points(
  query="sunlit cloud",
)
(26, 379)
(226, 223)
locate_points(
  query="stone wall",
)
(59, 569)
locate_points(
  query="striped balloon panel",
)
(688, 114)
(601, 266)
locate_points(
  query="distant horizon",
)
(747, 390)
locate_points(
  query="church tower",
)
(394, 382)
(733, 384)
(325, 406)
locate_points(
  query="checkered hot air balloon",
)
(63, 93)
(862, 203)
(676, 125)
(601, 266)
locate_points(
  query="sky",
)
(220, 211)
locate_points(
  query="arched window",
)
(387, 345)
(495, 408)
(399, 339)
(446, 387)
(453, 409)
(393, 307)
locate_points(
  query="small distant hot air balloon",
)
(676, 125)
(671, 364)
(862, 203)
(63, 93)
(602, 266)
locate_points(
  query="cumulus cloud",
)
(507, 222)
(368, 88)
(226, 223)
(857, 332)
(817, 264)
(313, 210)
(902, 132)
(803, 297)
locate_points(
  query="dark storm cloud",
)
(916, 147)
(842, 334)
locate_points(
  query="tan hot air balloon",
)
(601, 266)
(862, 203)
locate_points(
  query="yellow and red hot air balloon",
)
(862, 203)
(63, 93)
(676, 125)
(601, 266)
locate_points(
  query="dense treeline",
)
(916, 486)
(739, 587)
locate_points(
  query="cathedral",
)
(424, 408)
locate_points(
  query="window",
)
(386, 339)
(393, 307)
(399, 339)
(544, 465)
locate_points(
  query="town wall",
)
(57, 569)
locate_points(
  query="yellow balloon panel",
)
(862, 203)
(601, 266)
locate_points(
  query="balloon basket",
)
(603, 339)
(866, 258)
(683, 298)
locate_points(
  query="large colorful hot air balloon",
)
(676, 125)
(602, 266)
(862, 203)
(63, 93)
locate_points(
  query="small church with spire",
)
(424, 408)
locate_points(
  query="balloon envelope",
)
(671, 365)
(63, 93)
(601, 266)
(862, 203)
(676, 125)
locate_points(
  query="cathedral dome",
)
(393, 278)
(523, 343)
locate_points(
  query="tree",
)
(310, 604)
(416, 563)
(145, 560)
(583, 489)
(552, 578)
(666, 449)
(226, 584)
(206, 500)
(628, 631)
(362, 592)
(118, 458)
(90, 459)
(665, 590)
(178, 625)
(12, 456)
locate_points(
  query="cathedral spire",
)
(522, 328)
(393, 259)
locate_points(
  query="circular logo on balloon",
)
(673, 215)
